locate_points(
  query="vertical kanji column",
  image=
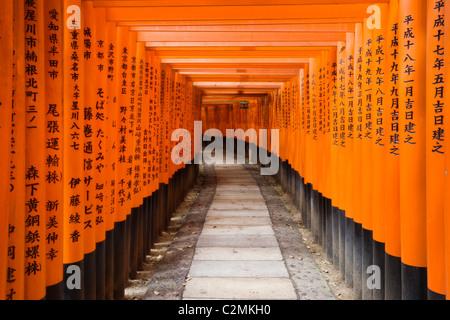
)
(73, 179)
(54, 148)
(35, 170)
(412, 53)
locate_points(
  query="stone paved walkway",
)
(237, 254)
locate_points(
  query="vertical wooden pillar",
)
(111, 145)
(73, 179)
(379, 147)
(392, 193)
(357, 162)
(412, 53)
(102, 190)
(54, 148)
(435, 150)
(447, 159)
(122, 128)
(35, 171)
(341, 150)
(334, 146)
(367, 176)
(348, 152)
(89, 149)
(11, 274)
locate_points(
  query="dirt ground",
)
(146, 287)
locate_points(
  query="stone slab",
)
(264, 241)
(243, 254)
(238, 213)
(240, 289)
(238, 221)
(237, 230)
(238, 269)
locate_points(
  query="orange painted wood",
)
(412, 140)
(54, 141)
(35, 167)
(73, 102)
(6, 87)
(435, 151)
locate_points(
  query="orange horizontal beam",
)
(237, 12)
(223, 44)
(240, 36)
(237, 84)
(335, 27)
(243, 78)
(186, 3)
(253, 22)
(234, 91)
(245, 48)
(231, 96)
(191, 64)
(275, 61)
(238, 54)
(224, 71)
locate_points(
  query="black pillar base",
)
(367, 261)
(100, 267)
(55, 292)
(378, 260)
(414, 283)
(109, 265)
(357, 260)
(89, 276)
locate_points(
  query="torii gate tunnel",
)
(91, 92)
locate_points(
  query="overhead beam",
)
(228, 91)
(335, 27)
(240, 36)
(247, 71)
(274, 61)
(237, 54)
(224, 12)
(238, 85)
(237, 65)
(249, 21)
(240, 48)
(203, 3)
(243, 78)
(223, 44)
